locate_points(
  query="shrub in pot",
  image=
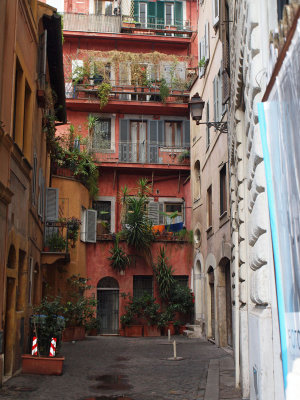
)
(46, 323)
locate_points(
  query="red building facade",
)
(128, 70)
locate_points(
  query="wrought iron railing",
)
(56, 237)
(142, 152)
(182, 27)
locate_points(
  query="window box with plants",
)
(47, 323)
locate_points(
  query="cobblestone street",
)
(108, 367)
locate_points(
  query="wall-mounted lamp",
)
(196, 105)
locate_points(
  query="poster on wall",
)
(279, 120)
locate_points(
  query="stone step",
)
(193, 331)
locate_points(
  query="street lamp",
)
(196, 105)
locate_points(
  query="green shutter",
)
(186, 133)
(151, 14)
(178, 18)
(136, 10)
(160, 14)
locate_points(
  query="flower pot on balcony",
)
(134, 330)
(42, 365)
(73, 333)
(151, 331)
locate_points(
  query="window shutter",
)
(41, 194)
(124, 140)
(136, 10)
(215, 85)
(160, 14)
(220, 104)
(186, 133)
(52, 204)
(160, 215)
(153, 142)
(42, 60)
(151, 14)
(91, 226)
(178, 19)
(206, 41)
(153, 212)
(215, 5)
(160, 127)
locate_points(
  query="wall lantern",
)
(196, 105)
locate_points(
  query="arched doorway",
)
(211, 298)
(10, 314)
(108, 305)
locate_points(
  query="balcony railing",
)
(92, 23)
(142, 152)
(56, 237)
(128, 93)
(154, 25)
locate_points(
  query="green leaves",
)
(164, 275)
(119, 259)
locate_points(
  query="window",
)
(102, 134)
(174, 212)
(197, 188)
(108, 8)
(143, 15)
(207, 127)
(77, 67)
(98, 7)
(209, 207)
(215, 5)
(103, 209)
(204, 50)
(174, 134)
(142, 284)
(169, 14)
(223, 194)
(183, 280)
(218, 105)
(88, 229)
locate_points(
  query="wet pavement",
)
(118, 368)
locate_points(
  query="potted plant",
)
(56, 242)
(47, 324)
(119, 260)
(73, 230)
(92, 326)
(78, 310)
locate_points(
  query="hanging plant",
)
(118, 259)
(103, 94)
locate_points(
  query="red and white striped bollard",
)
(52, 347)
(34, 346)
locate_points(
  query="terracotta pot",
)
(151, 331)
(42, 365)
(171, 327)
(122, 332)
(73, 333)
(134, 330)
(93, 332)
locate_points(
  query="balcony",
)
(142, 152)
(92, 23)
(128, 93)
(154, 26)
(55, 243)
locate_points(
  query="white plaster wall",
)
(259, 346)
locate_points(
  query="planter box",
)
(73, 333)
(93, 332)
(42, 365)
(151, 331)
(134, 330)
(171, 327)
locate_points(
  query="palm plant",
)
(164, 275)
(138, 228)
(118, 259)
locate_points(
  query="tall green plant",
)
(138, 228)
(164, 275)
(118, 259)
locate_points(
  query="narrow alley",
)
(112, 367)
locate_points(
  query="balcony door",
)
(138, 135)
